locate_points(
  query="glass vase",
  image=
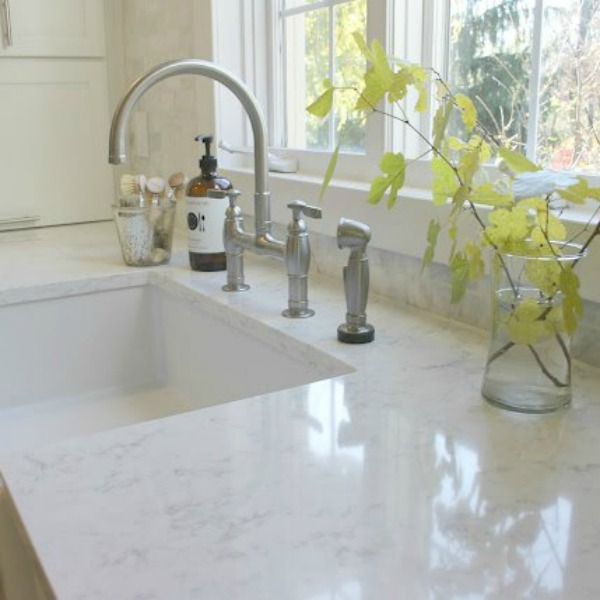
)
(528, 366)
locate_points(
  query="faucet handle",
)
(300, 208)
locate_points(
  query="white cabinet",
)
(52, 28)
(54, 120)
(54, 141)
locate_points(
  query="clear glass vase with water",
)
(528, 367)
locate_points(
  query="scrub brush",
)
(132, 184)
(177, 184)
(155, 190)
(132, 189)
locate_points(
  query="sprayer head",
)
(353, 234)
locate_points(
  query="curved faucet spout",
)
(191, 66)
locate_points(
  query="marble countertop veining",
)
(394, 481)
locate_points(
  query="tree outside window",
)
(533, 70)
(318, 45)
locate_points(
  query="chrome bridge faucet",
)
(235, 237)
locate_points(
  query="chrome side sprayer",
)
(355, 236)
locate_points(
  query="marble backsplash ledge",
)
(400, 278)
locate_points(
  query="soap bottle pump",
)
(206, 215)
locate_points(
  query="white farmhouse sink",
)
(81, 364)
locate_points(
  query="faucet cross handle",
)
(300, 208)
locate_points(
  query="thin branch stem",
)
(557, 382)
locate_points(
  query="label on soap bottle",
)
(205, 218)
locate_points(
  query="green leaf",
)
(393, 166)
(453, 237)
(580, 192)
(330, 170)
(433, 232)
(507, 228)
(458, 200)
(572, 303)
(459, 269)
(544, 274)
(378, 186)
(525, 324)
(422, 98)
(440, 122)
(372, 93)
(488, 194)
(476, 264)
(419, 78)
(399, 88)
(467, 109)
(381, 64)
(445, 182)
(468, 164)
(516, 161)
(362, 45)
(321, 107)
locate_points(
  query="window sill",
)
(402, 229)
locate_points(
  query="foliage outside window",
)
(317, 44)
(532, 67)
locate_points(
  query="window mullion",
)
(534, 81)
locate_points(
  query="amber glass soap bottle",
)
(205, 215)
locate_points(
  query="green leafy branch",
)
(456, 164)
(517, 203)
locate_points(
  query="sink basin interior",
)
(85, 363)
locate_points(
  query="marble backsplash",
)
(400, 278)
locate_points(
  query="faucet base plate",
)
(235, 287)
(355, 334)
(298, 314)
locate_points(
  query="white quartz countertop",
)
(396, 481)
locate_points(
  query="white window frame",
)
(420, 35)
(350, 166)
(414, 42)
(311, 162)
(258, 21)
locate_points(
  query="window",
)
(532, 67)
(316, 44)
(312, 42)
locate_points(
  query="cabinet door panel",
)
(54, 28)
(53, 141)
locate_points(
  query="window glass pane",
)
(490, 60)
(349, 62)
(307, 65)
(319, 45)
(569, 124)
